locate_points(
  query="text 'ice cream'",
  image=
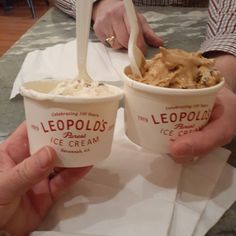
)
(175, 68)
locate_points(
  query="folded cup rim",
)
(36, 95)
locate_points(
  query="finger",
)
(67, 177)
(101, 28)
(16, 146)
(120, 29)
(140, 39)
(215, 134)
(105, 33)
(115, 44)
(150, 36)
(26, 174)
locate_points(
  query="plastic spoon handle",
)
(83, 18)
(135, 55)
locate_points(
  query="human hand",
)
(221, 127)
(218, 132)
(26, 191)
(110, 19)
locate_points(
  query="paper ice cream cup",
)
(79, 129)
(156, 116)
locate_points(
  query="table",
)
(179, 27)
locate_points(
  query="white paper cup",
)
(79, 129)
(155, 116)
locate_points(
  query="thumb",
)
(26, 174)
(151, 38)
(197, 143)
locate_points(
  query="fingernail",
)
(45, 157)
(184, 149)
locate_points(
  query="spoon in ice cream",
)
(83, 17)
(136, 57)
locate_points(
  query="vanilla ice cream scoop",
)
(82, 88)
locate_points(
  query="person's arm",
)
(220, 45)
(221, 38)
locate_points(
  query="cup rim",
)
(170, 91)
(36, 95)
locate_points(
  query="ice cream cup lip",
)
(170, 91)
(40, 96)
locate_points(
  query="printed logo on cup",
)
(178, 120)
(76, 132)
(81, 134)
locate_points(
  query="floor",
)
(16, 21)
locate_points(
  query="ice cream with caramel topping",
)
(175, 68)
